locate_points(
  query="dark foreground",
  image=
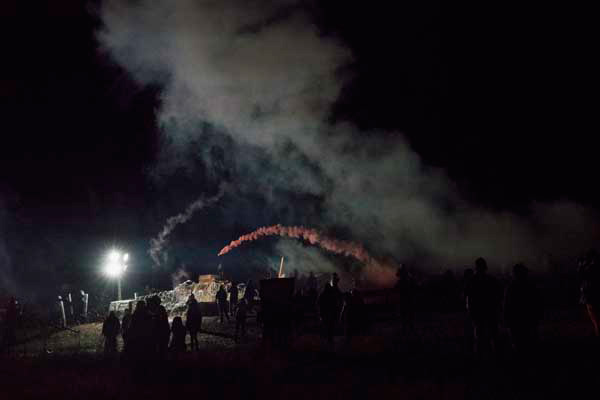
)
(431, 363)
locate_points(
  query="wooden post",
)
(85, 306)
(281, 274)
(71, 311)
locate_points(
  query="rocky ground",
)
(427, 363)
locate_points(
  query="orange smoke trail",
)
(346, 248)
(375, 271)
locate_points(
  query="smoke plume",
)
(179, 276)
(375, 271)
(261, 75)
(157, 244)
(346, 248)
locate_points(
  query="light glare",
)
(116, 264)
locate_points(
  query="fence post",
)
(62, 310)
(85, 307)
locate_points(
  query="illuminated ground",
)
(431, 363)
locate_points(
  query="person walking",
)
(221, 298)
(110, 329)
(193, 321)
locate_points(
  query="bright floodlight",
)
(113, 269)
(114, 255)
(116, 264)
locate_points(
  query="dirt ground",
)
(431, 361)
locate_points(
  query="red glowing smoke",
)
(377, 272)
(346, 248)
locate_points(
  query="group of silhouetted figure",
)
(486, 302)
(335, 307)
(147, 333)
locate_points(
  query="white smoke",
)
(261, 72)
(157, 244)
(180, 275)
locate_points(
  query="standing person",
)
(522, 311)
(221, 298)
(240, 319)
(177, 345)
(589, 273)
(312, 287)
(163, 330)
(9, 336)
(249, 294)
(233, 298)
(140, 337)
(484, 307)
(353, 315)
(110, 330)
(193, 321)
(153, 334)
(125, 328)
(468, 323)
(405, 289)
(329, 308)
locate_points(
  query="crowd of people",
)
(147, 334)
(486, 303)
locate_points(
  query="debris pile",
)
(175, 300)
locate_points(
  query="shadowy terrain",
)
(432, 362)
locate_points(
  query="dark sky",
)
(497, 96)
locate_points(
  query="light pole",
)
(116, 265)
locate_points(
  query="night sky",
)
(494, 98)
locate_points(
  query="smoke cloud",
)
(260, 74)
(375, 271)
(180, 275)
(355, 250)
(157, 244)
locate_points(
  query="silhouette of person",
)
(178, 331)
(140, 335)
(9, 337)
(484, 307)
(589, 272)
(249, 294)
(297, 311)
(522, 310)
(161, 329)
(125, 328)
(329, 308)
(405, 289)
(468, 323)
(233, 298)
(353, 314)
(240, 319)
(312, 286)
(110, 329)
(221, 298)
(193, 320)
(450, 292)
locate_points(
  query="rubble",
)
(175, 300)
